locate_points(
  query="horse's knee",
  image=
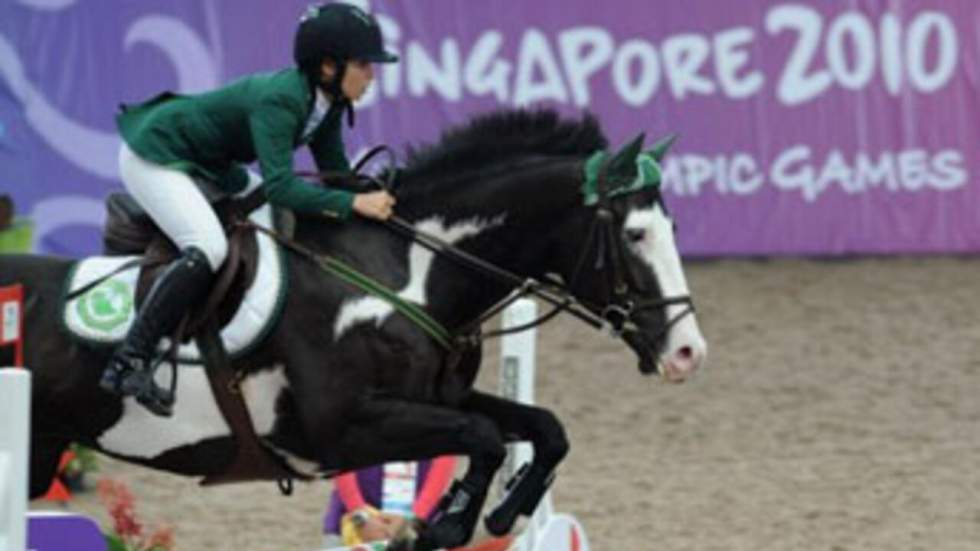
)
(482, 436)
(551, 445)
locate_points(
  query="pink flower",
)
(162, 539)
(119, 502)
(127, 529)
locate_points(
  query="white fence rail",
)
(546, 530)
(15, 413)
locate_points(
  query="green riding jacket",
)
(260, 117)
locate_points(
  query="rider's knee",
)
(214, 250)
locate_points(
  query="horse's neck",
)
(498, 221)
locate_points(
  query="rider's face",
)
(357, 77)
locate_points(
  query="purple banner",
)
(816, 127)
(51, 531)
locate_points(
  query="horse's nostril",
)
(685, 353)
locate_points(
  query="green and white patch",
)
(108, 307)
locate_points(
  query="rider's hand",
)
(378, 526)
(376, 204)
(395, 523)
(373, 530)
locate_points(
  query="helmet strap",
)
(335, 89)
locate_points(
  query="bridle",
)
(617, 315)
(619, 309)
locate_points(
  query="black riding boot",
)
(130, 371)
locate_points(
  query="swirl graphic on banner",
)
(60, 132)
(56, 212)
(47, 5)
(183, 47)
(92, 150)
(196, 68)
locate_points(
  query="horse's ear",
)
(624, 162)
(660, 148)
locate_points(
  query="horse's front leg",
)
(390, 430)
(521, 422)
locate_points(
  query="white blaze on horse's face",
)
(685, 348)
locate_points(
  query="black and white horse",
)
(343, 380)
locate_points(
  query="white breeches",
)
(177, 205)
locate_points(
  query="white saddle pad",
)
(103, 314)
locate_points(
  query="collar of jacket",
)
(345, 105)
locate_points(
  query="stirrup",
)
(133, 376)
(140, 384)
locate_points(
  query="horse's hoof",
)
(407, 538)
(422, 544)
(405, 544)
(398, 545)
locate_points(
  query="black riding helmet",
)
(340, 32)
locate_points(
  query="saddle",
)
(129, 230)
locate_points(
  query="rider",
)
(172, 140)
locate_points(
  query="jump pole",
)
(546, 531)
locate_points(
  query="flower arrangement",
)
(84, 461)
(81, 461)
(128, 532)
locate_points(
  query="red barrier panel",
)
(11, 321)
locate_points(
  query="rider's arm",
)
(327, 148)
(274, 124)
(436, 481)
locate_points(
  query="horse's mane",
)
(500, 136)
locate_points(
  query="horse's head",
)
(625, 264)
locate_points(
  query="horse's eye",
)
(634, 235)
